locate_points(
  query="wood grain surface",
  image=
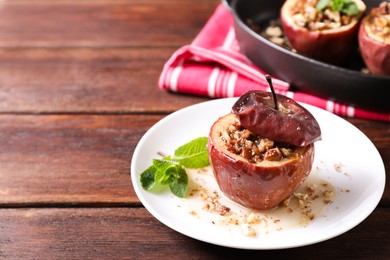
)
(69, 159)
(131, 233)
(78, 89)
(109, 23)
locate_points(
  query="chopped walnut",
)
(286, 202)
(274, 31)
(277, 40)
(253, 219)
(273, 154)
(248, 230)
(193, 213)
(253, 148)
(311, 188)
(328, 194)
(212, 203)
(222, 210)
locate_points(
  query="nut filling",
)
(379, 21)
(306, 15)
(253, 148)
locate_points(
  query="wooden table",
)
(78, 89)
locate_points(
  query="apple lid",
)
(290, 123)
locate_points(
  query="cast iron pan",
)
(345, 83)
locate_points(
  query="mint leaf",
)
(179, 186)
(147, 178)
(322, 4)
(337, 5)
(347, 7)
(166, 171)
(350, 8)
(193, 154)
(170, 170)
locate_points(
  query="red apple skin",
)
(260, 186)
(291, 123)
(375, 54)
(331, 46)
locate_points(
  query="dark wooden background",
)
(78, 89)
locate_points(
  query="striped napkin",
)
(212, 65)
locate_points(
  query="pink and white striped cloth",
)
(212, 65)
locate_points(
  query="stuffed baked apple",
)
(322, 29)
(263, 150)
(374, 39)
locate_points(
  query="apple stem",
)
(269, 80)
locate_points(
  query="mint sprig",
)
(170, 170)
(347, 7)
(193, 154)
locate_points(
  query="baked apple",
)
(323, 30)
(260, 153)
(374, 39)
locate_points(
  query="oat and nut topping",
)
(255, 149)
(379, 21)
(306, 15)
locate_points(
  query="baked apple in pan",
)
(261, 153)
(325, 30)
(374, 39)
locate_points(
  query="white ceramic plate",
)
(344, 157)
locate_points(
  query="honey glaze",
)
(207, 202)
